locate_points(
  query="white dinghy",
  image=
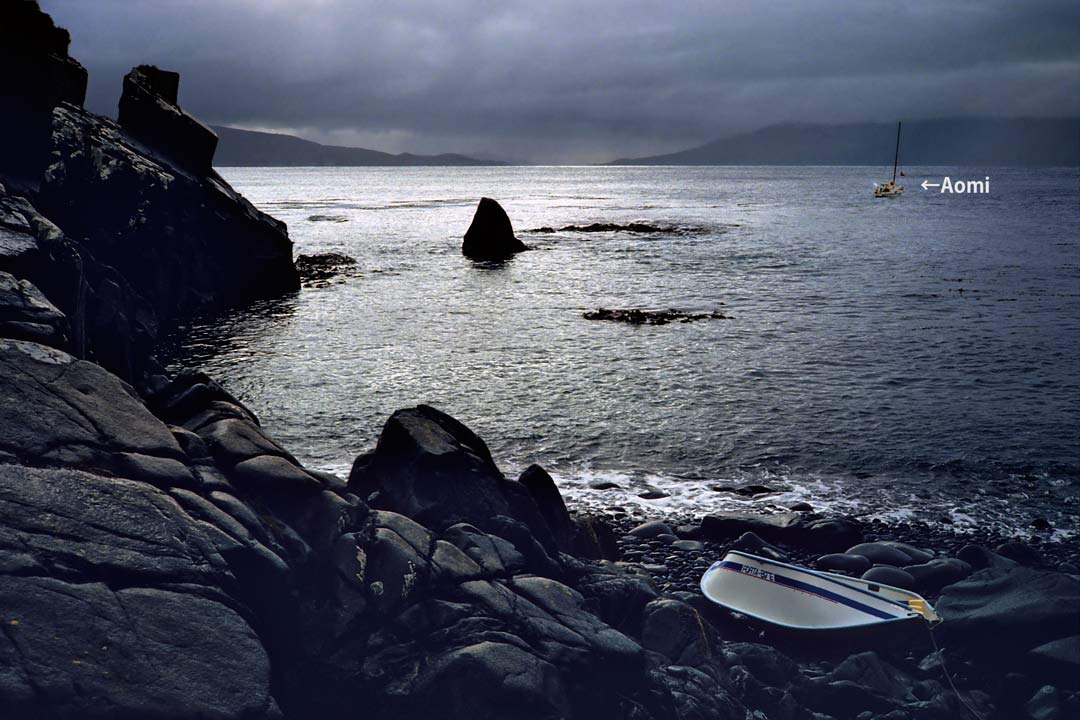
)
(803, 599)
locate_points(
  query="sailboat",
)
(891, 189)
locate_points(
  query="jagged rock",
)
(490, 235)
(187, 244)
(150, 114)
(432, 468)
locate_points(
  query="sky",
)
(579, 81)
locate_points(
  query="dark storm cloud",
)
(563, 81)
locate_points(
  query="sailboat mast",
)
(896, 157)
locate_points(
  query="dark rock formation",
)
(186, 243)
(149, 113)
(651, 317)
(490, 235)
(638, 228)
(36, 75)
(124, 228)
(321, 269)
(432, 468)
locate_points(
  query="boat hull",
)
(802, 599)
(881, 193)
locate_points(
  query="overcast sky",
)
(581, 80)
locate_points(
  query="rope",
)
(948, 678)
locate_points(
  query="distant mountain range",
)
(951, 141)
(247, 148)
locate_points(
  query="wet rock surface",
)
(638, 228)
(325, 269)
(651, 317)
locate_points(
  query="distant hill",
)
(247, 148)
(951, 141)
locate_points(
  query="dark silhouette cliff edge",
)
(162, 556)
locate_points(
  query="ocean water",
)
(908, 358)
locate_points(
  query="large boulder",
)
(149, 112)
(57, 409)
(1004, 612)
(87, 650)
(432, 468)
(490, 235)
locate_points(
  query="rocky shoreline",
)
(161, 555)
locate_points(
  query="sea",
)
(906, 359)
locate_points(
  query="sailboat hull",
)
(881, 191)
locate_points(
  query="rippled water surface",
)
(890, 358)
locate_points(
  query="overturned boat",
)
(802, 599)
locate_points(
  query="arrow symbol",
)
(926, 185)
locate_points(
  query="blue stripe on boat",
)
(804, 587)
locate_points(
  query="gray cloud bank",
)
(579, 81)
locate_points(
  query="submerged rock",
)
(320, 269)
(651, 317)
(638, 228)
(490, 235)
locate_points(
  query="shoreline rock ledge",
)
(491, 236)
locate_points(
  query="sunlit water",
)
(915, 357)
